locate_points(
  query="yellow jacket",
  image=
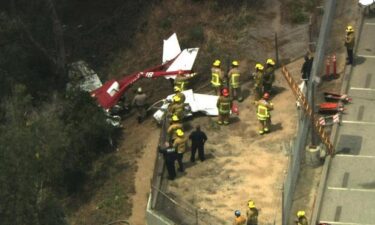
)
(172, 129)
(180, 143)
(349, 40)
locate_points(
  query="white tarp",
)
(197, 102)
(366, 2)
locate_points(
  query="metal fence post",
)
(196, 216)
(283, 222)
(277, 50)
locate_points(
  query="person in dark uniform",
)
(306, 67)
(170, 156)
(198, 138)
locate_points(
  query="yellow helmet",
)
(251, 204)
(300, 213)
(270, 62)
(177, 89)
(235, 63)
(175, 118)
(349, 28)
(217, 63)
(176, 98)
(179, 132)
(259, 66)
(139, 90)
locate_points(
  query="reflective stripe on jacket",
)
(181, 82)
(262, 112)
(234, 76)
(258, 79)
(224, 105)
(216, 77)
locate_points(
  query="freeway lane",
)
(349, 197)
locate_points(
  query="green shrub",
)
(297, 13)
(196, 34)
(166, 23)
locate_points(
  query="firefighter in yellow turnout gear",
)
(301, 218)
(263, 114)
(178, 92)
(180, 144)
(252, 213)
(269, 75)
(181, 81)
(258, 78)
(217, 77)
(224, 105)
(234, 82)
(175, 124)
(176, 107)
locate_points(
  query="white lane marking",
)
(343, 223)
(371, 24)
(351, 189)
(356, 156)
(367, 56)
(362, 89)
(358, 122)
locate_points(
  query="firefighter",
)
(349, 43)
(234, 81)
(269, 75)
(217, 78)
(180, 144)
(252, 213)
(258, 78)
(139, 102)
(301, 218)
(224, 104)
(178, 91)
(176, 107)
(181, 81)
(175, 124)
(264, 117)
(170, 157)
(239, 219)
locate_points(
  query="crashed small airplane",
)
(174, 61)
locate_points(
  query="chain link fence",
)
(181, 212)
(318, 34)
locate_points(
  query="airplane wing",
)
(171, 48)
(198, 103)
(185, 60)
(182, 60)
